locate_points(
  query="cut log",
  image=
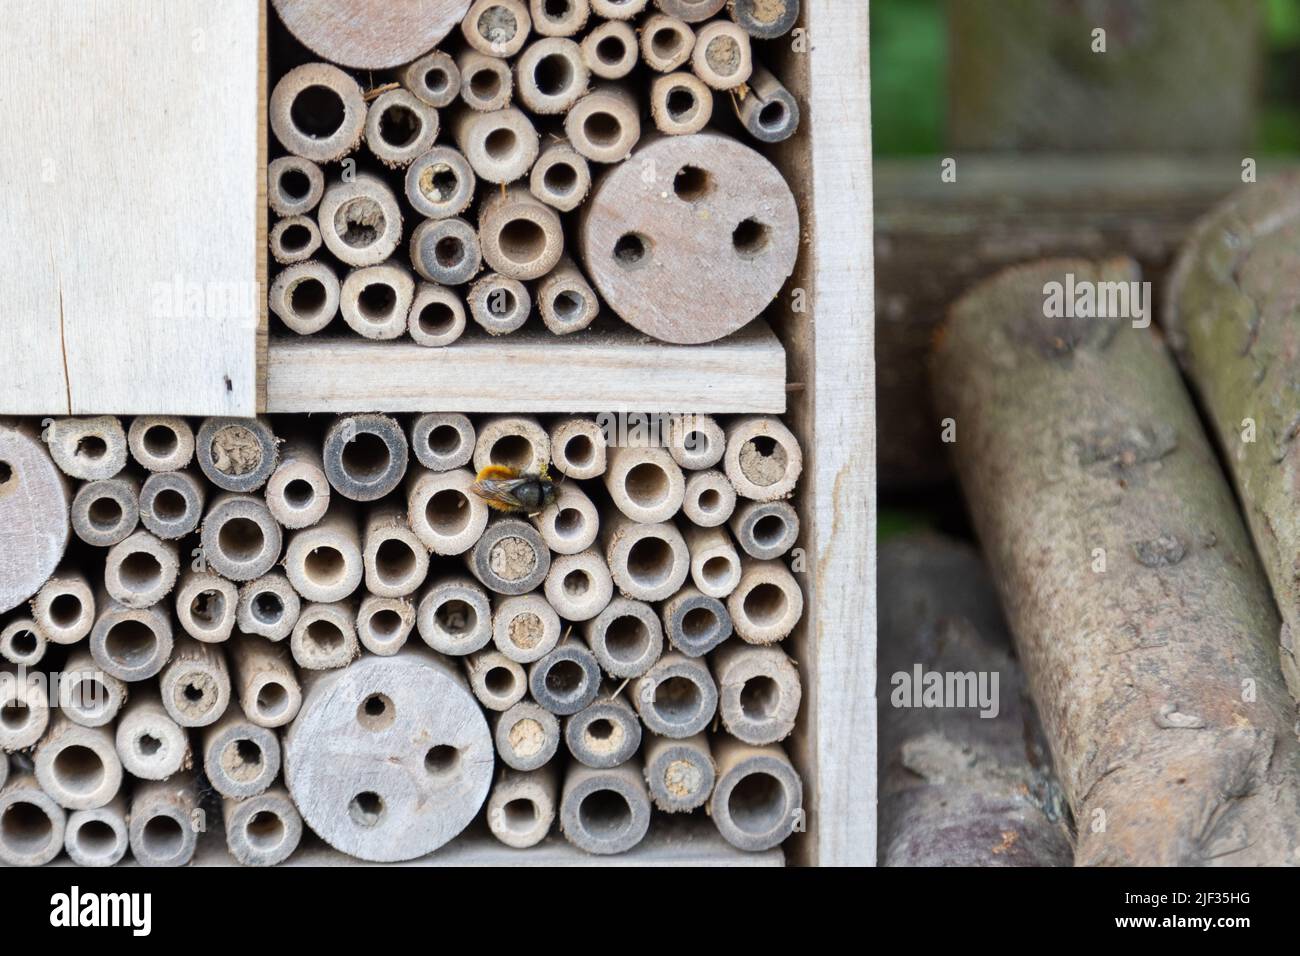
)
(956, 789)
(1157, 679)
(1230, 318)
(35, 498)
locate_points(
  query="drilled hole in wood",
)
(317, 112)
(376, 712)
(691, 184)
(631, 250)
(442, 760)
(751, 238)
(366, 808)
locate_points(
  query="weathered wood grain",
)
(530, 371)
(124, 296)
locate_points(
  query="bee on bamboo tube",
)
(509, 490)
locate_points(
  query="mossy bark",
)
(1140, 611)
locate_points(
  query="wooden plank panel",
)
(839, 661)
(530, 371)
(131, 154)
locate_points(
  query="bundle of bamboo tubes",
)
(489, 157)
(333, 628)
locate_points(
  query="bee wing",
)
(500, 494)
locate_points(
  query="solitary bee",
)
(505, 489)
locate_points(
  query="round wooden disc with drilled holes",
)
(389, 758)
(691, 238)
(34, 513)
(370, 34)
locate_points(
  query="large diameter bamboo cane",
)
(1141, 614)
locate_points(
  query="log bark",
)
(1230, 318)
(1157, 679)
(956, 789)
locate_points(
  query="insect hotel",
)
(437, 431)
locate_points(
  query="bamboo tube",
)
(269, 694)
(150, 745)
(240, 539)
(604, 811)
(161, 828)
(268, 607)
(97, 837)
(360, 220)
(578, 586)
(619, 9)
(765, 530)
(497, 682)
(499, 304)
(171, 504)
(486, 81)
(325, 637)
(439, 767)
(521, 807)
(692, 11)
(237, 454)
(294, 239)
(501, 146)
(708, 500)
(759, 692)
(161, 443)
(767, 109)
(87, 448)
(521, 237)
(510, 558)
(680, 773)
(676, 697)
(32, 825)
(434, 78)
(87, 695)
(22, 643)
(454, 616)
(442, 441)
(644, 483)
(496, 27)
(764, 19)
(437, 316)
(559, 18)
(400, 127)
(649, 562)
(666, 43)
(758, 799)
(384, 624)
(565, 680)
(195, 684)
(577, 447)
(610, 50)
(694, 622)
(766, 604)
(104, 512)
(206, 606)
(1101, 403)
(325, 135)
(525, 627)
(141, 570)
(763, 459)
(605, 125)
(131, 644)
(680, 104)
(722, 57)
(64, 608)
(376, 301)
(565, 299)
(446, 251)
(526, 736)
(551, 76)
(951, 781)
(715, 565)
(440, 183)
(396, 562)
(570, 524)
(561, 177)
(626, 637)
(240, 758)
(604, 734)
(294, 185)
(516, 441)
(32, 539)
(443, 511)
(696, 442)
(305, 296)
(78, 766)
(262, 830)
(365, 456)
(298, 493)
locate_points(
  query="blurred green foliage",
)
(909, 53)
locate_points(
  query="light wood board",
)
(131, 213)
(530, 371)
